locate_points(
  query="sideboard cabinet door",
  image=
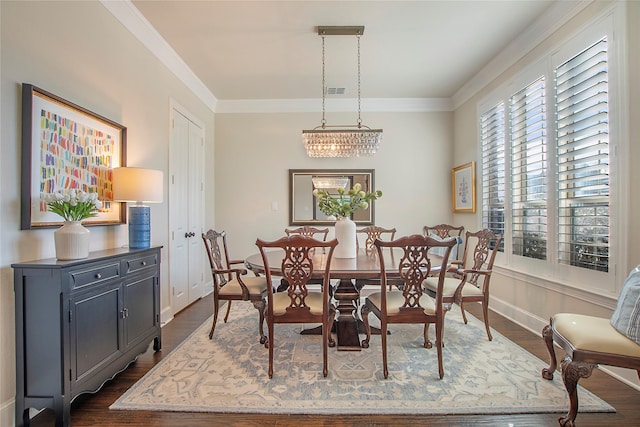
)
(96, 334)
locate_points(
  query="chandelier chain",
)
(359, 119)
(323, 84)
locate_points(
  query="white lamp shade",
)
(137, 185)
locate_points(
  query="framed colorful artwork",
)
(463, 188)
(64, 147)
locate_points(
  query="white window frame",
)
(549, 272)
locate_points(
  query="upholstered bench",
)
(590, 341)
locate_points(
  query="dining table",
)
(366, 265)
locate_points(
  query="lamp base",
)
(139, 227)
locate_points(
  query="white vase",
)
(72, 241)
(346, 235)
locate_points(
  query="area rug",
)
(229, 374)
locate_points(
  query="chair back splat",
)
(300, 304)
(232, 284)
(409, 304)
(307, 231)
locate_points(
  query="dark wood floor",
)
(93, 409)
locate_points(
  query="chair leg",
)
(464, 315)
(383, 334)
(571, 373)
(439, 333)
(485, 317)
(260, 306)
(364, 313)
(269, 344)
(547, 335)
(332, 318)
(427, 342)
(326, 333)
(215, 317)
(226, 316)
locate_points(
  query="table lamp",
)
(139, 186)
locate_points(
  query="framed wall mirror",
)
(303, 206)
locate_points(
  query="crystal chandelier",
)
(324, 182)
(354, 140)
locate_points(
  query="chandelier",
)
(353, 140)
(325, 182)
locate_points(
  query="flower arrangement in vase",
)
(72, 239)
(342, 206)
(346, 202)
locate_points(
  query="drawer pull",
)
(144, 263)
(98, 276)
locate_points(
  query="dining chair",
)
(373, 232)
(232, 284)
(370, 234)
(410, 304)
(308, 231)
(299, 304)
(305, 231)
(445, 231)
(471, 274)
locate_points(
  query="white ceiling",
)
(270, 50)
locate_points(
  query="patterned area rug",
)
(229, 374)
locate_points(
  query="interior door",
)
(186, 204)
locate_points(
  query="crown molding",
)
(132, 19)
(314, 105)
(546, 24)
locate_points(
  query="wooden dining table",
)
(365, 265)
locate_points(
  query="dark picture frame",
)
(65, 146)
(303, 205)
(463, 188)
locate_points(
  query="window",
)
(493, 172)
(527, 125)
(561, 110)
(582, 117)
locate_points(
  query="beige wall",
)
(255, 151)
(80, 52)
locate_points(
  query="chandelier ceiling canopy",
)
(351, 140)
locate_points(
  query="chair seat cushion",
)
(449, 287)
(255, 285)
(281, 301)
(626, 317)
(395, 300)
(591, 333)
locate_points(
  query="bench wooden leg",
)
(571, 374)
(547, 335)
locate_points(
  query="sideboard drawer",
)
(95, 275)
(136, 264)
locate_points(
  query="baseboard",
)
(535, 324)
(166, 316)
(7, 413)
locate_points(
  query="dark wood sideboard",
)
(79, 323)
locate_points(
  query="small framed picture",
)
(463, 188)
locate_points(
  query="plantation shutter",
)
(529, 171)
(492, 128)
(583, 159)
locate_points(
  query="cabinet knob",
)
(98, 276)
(144, 263)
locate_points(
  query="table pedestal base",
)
(348, 325)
